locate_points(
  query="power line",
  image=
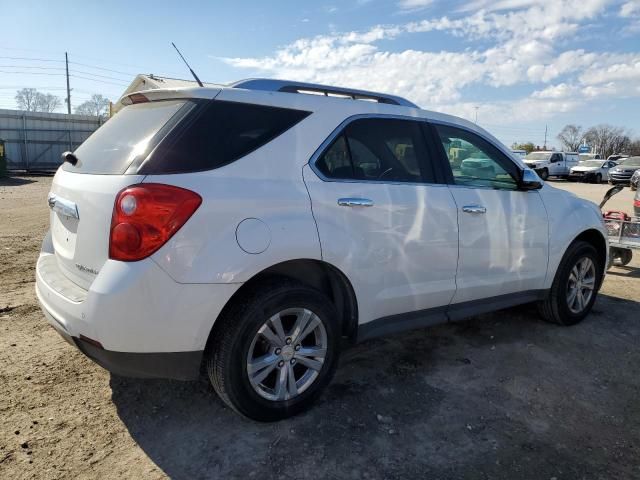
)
(32, 73)
(32, 59)
(101, 81)
(102, 68)
(95, 74)
(31, 66)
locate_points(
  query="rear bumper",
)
(142, 322)
(173, 365)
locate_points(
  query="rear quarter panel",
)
(266, 185)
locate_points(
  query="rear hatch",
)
(82, 195)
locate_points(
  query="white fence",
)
(34, 141)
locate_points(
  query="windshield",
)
(124, 137)
(591, 163)
(630, 162)
(538, 156)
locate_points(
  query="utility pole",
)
(66, 61)
(476, 120)
(545, 137)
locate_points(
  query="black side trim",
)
(460, 311)
(401, 322)
(439, 315)
(174, 365)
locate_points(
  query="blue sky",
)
(524, 64)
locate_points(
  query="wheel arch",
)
(317, 274)
(598, 241)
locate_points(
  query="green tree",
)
(527, 147)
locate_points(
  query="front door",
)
(503, 231)
(381, 221)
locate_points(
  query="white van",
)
(556, 164)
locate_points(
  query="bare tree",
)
(45, 102)
(27, 99)
(31, 100)
(96, 106)
(607, 139)
(634, 148)
(571, 137)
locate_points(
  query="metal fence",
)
(34, 141)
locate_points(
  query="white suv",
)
(246, 230)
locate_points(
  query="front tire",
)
(274, 352)
(574, 287)
(598, 179)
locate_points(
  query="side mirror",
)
(530, 180)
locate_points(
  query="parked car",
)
(520, 154)
(249, 230)
(635, 180)
(625, 169)
(591, 170)
(617, 157)
(548, 164)
(583, 157)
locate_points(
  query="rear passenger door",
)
(381, 218)
(503, 231)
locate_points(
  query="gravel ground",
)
(498, 396)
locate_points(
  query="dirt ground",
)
(498, 396)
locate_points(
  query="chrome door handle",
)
(474, 209)
(355, 202)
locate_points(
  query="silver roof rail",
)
(272, 85)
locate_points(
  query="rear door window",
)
(129, 135)
(219, 133)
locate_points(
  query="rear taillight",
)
(145, 216)
(636, 203)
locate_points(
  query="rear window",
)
(129, 135)
(218, 133)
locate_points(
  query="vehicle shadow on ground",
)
(503, 394)
(626, 271)
(14, 181)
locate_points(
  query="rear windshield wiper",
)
(69, 157)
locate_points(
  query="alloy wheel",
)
(286, 354)
(581, 285)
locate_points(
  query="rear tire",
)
(621, 256)
(258, 334)
(567, 302)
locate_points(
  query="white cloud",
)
(630, 9)
(413, 5)
(523, 49)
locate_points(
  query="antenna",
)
(185, 62)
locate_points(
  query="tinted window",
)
(125, 137)
(474, 161)
(377, 149)
(218, 134)
(336, 162)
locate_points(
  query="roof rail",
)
(272, 85)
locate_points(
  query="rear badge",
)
(82, 268)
